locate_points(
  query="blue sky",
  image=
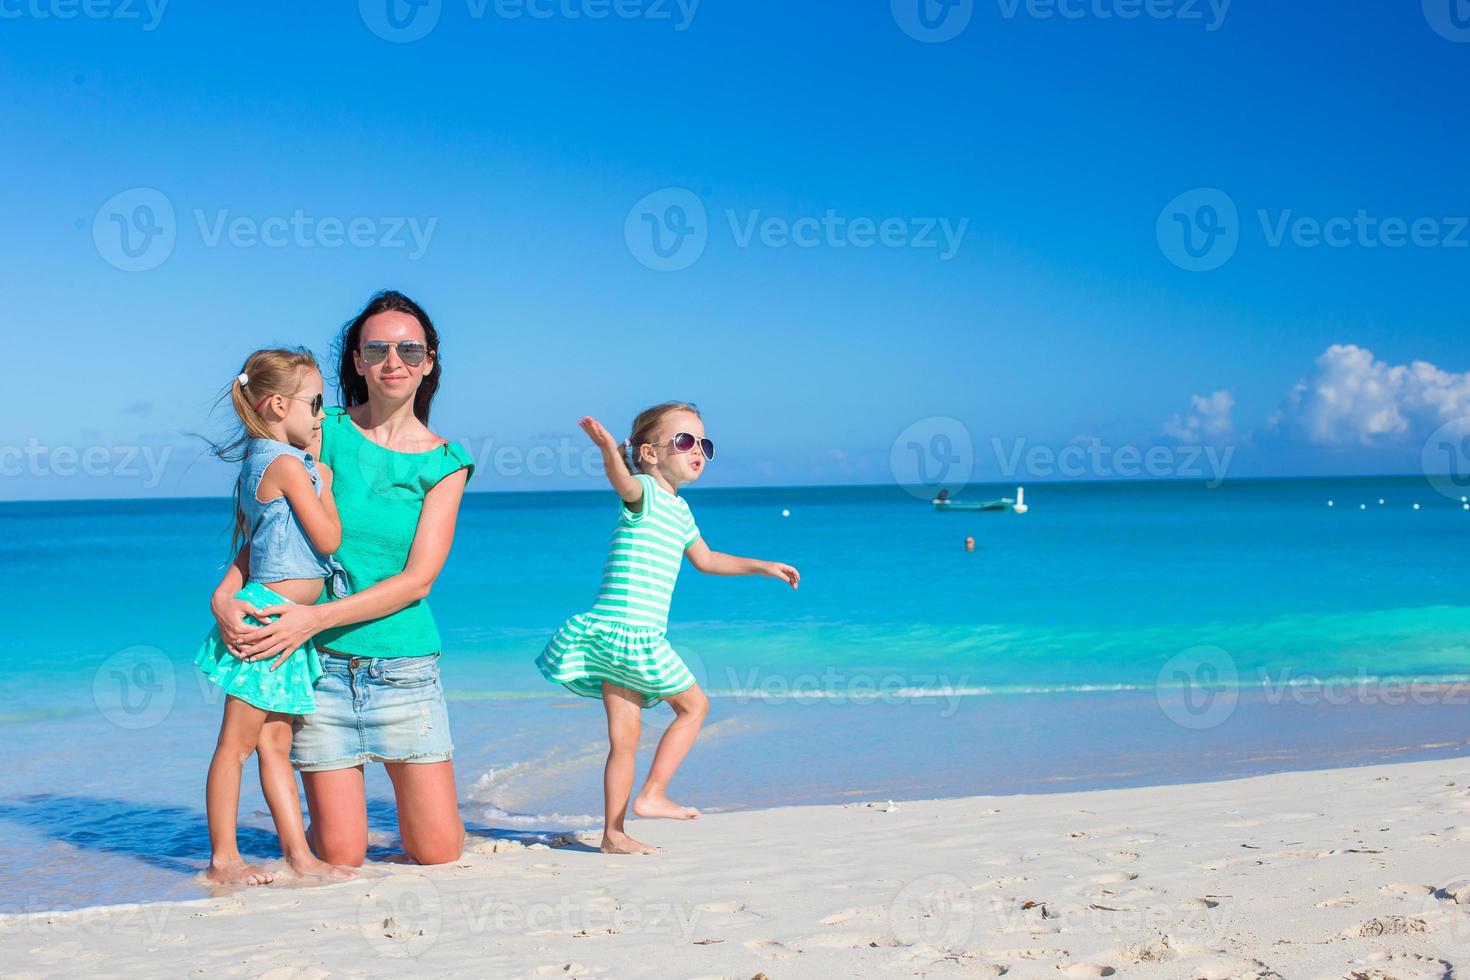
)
(519, 148)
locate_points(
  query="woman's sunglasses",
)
(683, 442)
(410, 352)
(315, 401)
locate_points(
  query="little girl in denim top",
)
(617, 651)
(286, 515)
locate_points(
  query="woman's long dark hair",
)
(351, 386)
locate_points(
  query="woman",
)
(398, 488)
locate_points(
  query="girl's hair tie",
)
(627, 443)
(244, 379)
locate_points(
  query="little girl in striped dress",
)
(617, 651)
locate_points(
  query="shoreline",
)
(1290, 874)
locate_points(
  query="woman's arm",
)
(229, 613)
(719, 563)
(426, 557)
(622, 481)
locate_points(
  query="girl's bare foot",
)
(617, 842)
(658, 805)
(308, 865)
(237, 872)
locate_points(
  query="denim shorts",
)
(388, 709)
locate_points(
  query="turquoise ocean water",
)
(903, 667)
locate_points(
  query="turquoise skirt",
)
(287, 689)
(588, 650)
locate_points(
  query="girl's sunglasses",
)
(410, 352)
(683, 442)
(315, 401)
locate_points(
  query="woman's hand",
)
(296, 625)
(781, 570)
(229, 615)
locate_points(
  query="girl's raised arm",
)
(612, 461)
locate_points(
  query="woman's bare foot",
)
(658, 805)
(308, 865)
(617, 842)
(237, 872)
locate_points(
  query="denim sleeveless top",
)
(279, 547)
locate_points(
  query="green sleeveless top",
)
(379, 495)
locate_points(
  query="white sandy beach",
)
(1346, 873)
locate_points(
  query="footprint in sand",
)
(1027, 953)
(1407, 890)
(845, 940)
(1114, 877)
(718, 915)
(1405, 966)
(1122, 857)
(1224, 966)
(1341, 901)
(1080, 970)
(845, 916)
(770, 948)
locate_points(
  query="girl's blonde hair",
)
(645, 425)
(272, 371)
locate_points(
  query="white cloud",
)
(1208, 419)
(1351, 398)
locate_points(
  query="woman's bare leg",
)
(428, 810)
(690, 708)
(624, 709)
(338, 805)
(278, 783)
(238, 733)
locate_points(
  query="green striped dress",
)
(622, 639)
